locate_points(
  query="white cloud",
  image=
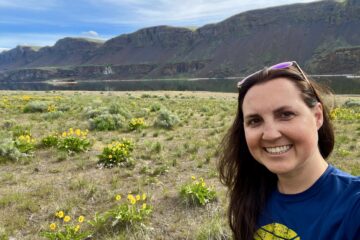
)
(3, 49)
(90, 34)
(28, 4)
(159, 12)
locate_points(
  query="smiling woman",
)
(273, 162)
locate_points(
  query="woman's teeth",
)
(278, 150)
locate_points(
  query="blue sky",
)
(42, 23)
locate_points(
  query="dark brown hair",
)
(250, 183)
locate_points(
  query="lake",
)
(340, 84)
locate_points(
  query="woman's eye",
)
(287, 115)
(253, 122)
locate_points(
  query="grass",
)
(48, 179)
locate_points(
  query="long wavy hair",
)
(250, 183)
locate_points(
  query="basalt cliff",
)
(323, 37)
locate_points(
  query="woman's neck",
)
(304, 177)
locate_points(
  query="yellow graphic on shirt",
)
(275, 231)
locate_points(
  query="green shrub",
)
(155, 107)
(166, 119)
(25, 143)
(74, 141)
(352, 103)
(197, 193)
(90, 112)
(8, 150)
(50, 141)
(117, 154)
(35, 106)
(143, 112)
(125, 214)
(106, 122)
(115, 108)
(53, 115)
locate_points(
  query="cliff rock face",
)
(344, 60)
(314, 34)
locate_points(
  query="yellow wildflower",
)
(193, 177)
(81, 219)
(203, 184)
(130, 196)
(78, 132)
(77, 228)
(53, 226)
(138, 197)
(144, 196)
(60, 214)
(131, 199)
(110, 156)
(67, 218)
(144, 206)
(71, 130)
(64, 134)
(118, 197)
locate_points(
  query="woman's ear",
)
(319, 115)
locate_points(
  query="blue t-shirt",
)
(328, 210)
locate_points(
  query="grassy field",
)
(174, 138)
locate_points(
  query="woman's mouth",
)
(278, 149)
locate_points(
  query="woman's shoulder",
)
(343, 184)
(344, 178)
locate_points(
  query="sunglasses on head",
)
(279, 66)
(283, 65)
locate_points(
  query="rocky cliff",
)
(321, 36)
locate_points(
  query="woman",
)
(273, 163)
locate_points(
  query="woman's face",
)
(280, 129)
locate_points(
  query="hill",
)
(322, 36)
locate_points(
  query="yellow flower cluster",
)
(115, 147)
(344, 114)
(59, 214)
(26, 98)
(66, 219)
(77, 132)
(133, 199)
(51, 108)
(26, 139)
(136, 123)
(200, 182)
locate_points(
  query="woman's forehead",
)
(271, 94)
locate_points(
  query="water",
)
(340, 84)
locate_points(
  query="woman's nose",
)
(270, 132)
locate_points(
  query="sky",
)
(42, 23)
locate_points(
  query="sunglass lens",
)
(282, 65)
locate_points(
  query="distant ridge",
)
(323, 36)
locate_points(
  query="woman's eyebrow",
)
(281, 109)
(253, 115)
(276, 111)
